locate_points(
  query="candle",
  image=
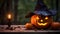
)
(9, 16)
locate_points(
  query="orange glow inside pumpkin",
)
(46, 18)
(37, 18)
(41, 20)
(41, 24)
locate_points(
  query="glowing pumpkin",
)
(41, 21)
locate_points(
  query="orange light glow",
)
(37, 17)
(46, 18)
(41, 20)
(42, 24)
(9, 16)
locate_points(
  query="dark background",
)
(20, 8)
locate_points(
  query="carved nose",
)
(41, 20)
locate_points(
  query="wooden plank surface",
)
(22, 29)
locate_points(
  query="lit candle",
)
(9, 16)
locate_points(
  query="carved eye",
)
(37, 17)
(46, 18)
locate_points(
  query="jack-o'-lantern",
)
(41, 17)
(41, 21)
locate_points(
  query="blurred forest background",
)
(20, 8)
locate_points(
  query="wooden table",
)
(22, 29)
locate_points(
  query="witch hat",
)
(41, 9)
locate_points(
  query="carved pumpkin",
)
(41, 21)
(42, 17)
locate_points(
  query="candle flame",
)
(9, 16)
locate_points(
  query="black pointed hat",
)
(42, 9)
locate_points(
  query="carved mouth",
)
(42, 24)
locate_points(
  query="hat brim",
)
(44, 13)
